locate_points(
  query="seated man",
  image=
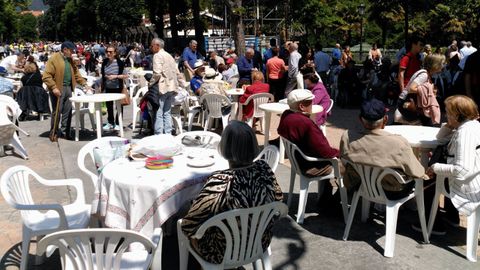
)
(197, 79)
(297, 127)
(373, 146)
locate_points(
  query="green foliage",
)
(27, 27)
(115, 16)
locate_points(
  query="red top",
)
(411, 63)
(255, 88)
(276, 68)
(302, 131)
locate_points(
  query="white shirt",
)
(9, 62)
(463, 165)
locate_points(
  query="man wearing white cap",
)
(197, 79)
(297, 127)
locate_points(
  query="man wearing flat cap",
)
(297, 127)
(61, 76)
(374, 146)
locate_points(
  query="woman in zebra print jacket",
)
(245, 184)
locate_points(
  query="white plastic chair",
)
(87, 150)
(371, 190)
(135, 105)
(84, 109)
(108, 249)
(191, 108)
(243, 246)
(324, 126)
(41, 219)
(271, 155)
(206, 137)
(214, 103)
(473, 221)
(234, 80)
(8, 136)
(291, 150)
(257, 99)
(176, 113)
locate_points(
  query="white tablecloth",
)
(130, 196)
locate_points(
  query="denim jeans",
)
(163, 122)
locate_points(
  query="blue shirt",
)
(336, 54)
(190, 56)
(5, 86)
(195, 83)
(245, 67)
(267, 55)
(322, 61)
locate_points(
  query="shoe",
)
(107, 127)
(116, 128)
(438, 228)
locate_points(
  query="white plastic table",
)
(235, 93)
(130, 196)
(97, 99)
(421, 137)
(279, 108)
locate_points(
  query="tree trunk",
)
(198, 26)
(236, 22)
(173, 22)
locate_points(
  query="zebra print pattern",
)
(245, 187)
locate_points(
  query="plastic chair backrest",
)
(259, 99)
(372, 177)
(331, 106)
(141, 92)
(15, 188)
(271, 155)
(291, 149)
(88, 150)
(214, 104)
(243, 246)
(10, 104)
(95, 248)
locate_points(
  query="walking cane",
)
(53, 133)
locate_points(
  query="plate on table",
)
(200, 162)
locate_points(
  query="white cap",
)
(198, 64)
(210, 73)
(298, 95)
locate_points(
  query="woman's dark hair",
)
(311, 77)
(238, 144)
(275, 51)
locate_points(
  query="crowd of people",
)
(421, 86)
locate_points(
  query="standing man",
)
(245, 67)
(190, 56)
(61, 77)
(322, 63)
(293, 69)
(336, 55)
(168, 79)
(410, 63)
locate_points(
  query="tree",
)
(78, 20)
(236, 11)
(115, 16)
(27, 27)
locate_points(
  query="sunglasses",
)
(110, 51)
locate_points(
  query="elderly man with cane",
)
(60, 77)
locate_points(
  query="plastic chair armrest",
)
(55, 207)
(75, 182)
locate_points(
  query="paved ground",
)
(317, 244)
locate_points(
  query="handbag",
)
(126, 100)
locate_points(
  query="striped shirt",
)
(112, 69)
(463, 168)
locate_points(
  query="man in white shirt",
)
(293, 69)
(168, 79)
(465, 52)
(13, 63)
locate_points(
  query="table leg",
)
(424, 157)
(77, 120)
(120, 116)
(98, 118)
(268, 116)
